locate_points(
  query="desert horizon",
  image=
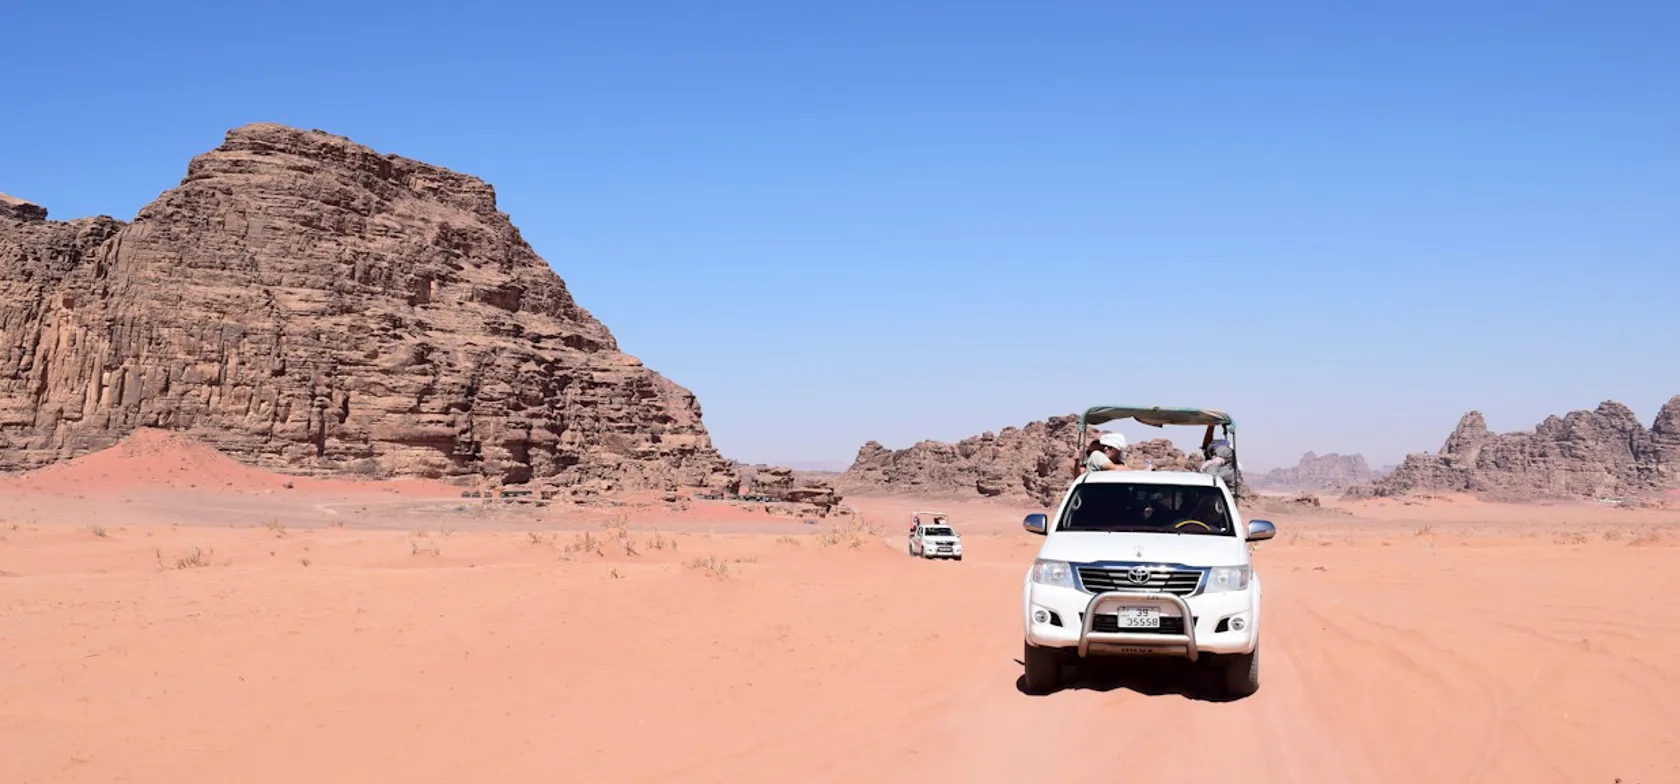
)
(863, 392)
(172, 614)
(447, 562)
(436, 525)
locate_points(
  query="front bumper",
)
(1070, 620)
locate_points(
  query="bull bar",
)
(1152, 641)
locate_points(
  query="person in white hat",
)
(1107, 453)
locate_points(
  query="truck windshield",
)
(1147, 508)
(936, 532)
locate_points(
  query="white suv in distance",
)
(937, 540)
(1145, 563)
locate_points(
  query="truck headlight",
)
(1227, 578)
(1057, 573)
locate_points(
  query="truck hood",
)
(1187, 549)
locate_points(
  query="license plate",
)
(944, 549)
(1138, 617)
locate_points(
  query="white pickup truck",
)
(935, 540)
(1145, 563)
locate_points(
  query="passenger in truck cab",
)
(1107, 453)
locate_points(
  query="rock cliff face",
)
(1318, 472)
(1583, 454)
(306, 304)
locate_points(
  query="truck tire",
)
(1043, 668)
(1238, 675)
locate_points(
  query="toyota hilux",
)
(935, 540)
(1145, 563)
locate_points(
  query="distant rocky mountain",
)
(1034, 462)
(1318, 472)
(1605, 452)
(1031, 462)
(304, 303)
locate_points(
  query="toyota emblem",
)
(1138, 574)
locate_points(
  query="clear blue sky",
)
(1347, 223)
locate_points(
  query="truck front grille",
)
(1105, 622)
(1180, 582)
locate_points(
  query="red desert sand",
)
(167, 615)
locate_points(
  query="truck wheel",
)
(1238, 675)
(1043, 668)
(959, 558)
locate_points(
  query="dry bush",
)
(853, 533)
(540, 538)
(1573, 537)
(1424, 531)
(585, 543)
(656, 542)
(1612, 535)
(628, 545)
(417, 547)
(1645, 538)
(195, 559)
(305, 561)
(711, 565)
(618, 526)
(788, 540)
(614, 574)
(99, 531)
(276, 526)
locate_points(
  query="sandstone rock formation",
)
(306, 304)
(1031, 463)
(1665, 443)
(1601, 453)
(1318, 472)
(781, 483)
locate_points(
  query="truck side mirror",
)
(1036, 524)
(1259, 530)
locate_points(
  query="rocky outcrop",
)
(1600, 453)
(781, 483)
(1318, 472)
(306, 304)
(1665, 443)
(1031, 463)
